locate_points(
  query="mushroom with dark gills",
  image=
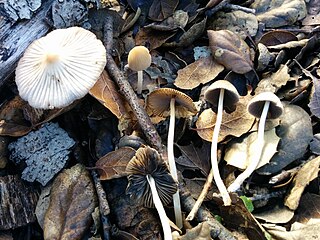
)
(139, 59)
(222, 95)
(264, 105)
(166, 102)
(60, 67)
(151, 183)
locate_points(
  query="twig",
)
(132, 22)
(217, 229)
(127, 91)
(237, 7)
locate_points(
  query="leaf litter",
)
(244, 49)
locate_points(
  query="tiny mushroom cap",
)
(158, 103)
(60, 67)
(255, 106)
(231, 95)
(139, 58)
(147, 161)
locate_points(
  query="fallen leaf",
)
(277, 37)
(295, 132)
(276, 214)
(234, 124)
(230, 50)
(279, 12)
(239, 22)
(274, 81)
(178, 20)
(113, 164)
(195, 158)
(189, 36)
(72, 201)
(154, 38)
(306, 232)
(314, 104)
(161, 9)
(291, 44)
(199, 232)
(241, 152)
(202, 71)
(309, 208)
(315, 144)
(106, 92)
(304, 176)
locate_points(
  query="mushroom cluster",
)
(166, 102)
(60, 67)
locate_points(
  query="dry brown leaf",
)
(235, 123)
(305, 175)
(277, 37)
(230, 50)
(161, 9)
(309, 208)
(276, 214)
(72, 202)
(201, 71)
(275, 81)
(113, 164)
(106, 92)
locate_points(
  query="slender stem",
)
(158, 204)
(201, 197)
(255, 161)
(214, 147)
(172, 164)
(140, 81)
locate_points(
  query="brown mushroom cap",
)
(231, 95)
(255, 106)
(158, 103)
(147, 161)
(139, 58)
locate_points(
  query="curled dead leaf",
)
(230, 50)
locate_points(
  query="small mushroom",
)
(166, 102)
(139, 59)
(151, 183)
(59, 68)
(264, 105)
(222, 95)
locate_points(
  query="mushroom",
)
(60, 67)
(139, 59)
(222, 95)
(166, 102)
(264, 105)
(151, 183)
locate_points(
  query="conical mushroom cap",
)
(231, 95)
(255, 106)
(158, 103)
(59, 68)
(139, 58)
(147, 161)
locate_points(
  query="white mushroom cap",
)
(59, 68)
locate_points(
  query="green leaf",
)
(248, 203)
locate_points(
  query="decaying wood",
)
(17, 203)
(16, 37)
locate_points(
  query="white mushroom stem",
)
(140, 81)
(158, 204)
(255, 161)
(214, 148)
(172, 164)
